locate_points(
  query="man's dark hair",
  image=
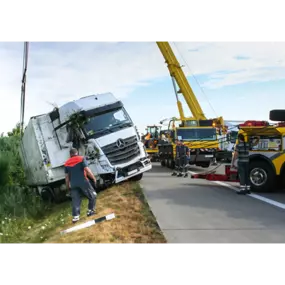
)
(241, 137)
(73, 152)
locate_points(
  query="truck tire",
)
(137, 177)
(262, 176)
(277, 115)
(47, 195)
(205, 165)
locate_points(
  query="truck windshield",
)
(197, 134)
(107, 122)
(233, 136)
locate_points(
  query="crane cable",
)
(23, 86)
(202, 90)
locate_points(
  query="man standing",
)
(242, 154)
(182, 157)
(76, 177)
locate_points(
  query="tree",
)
(15, 131)
(11, 168)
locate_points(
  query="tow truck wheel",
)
(262, 176)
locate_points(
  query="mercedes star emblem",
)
(120, 143)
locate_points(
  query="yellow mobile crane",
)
(197, 132)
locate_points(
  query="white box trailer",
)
(99, 127)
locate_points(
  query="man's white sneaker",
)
(75, 219)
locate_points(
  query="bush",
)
(4, 169)
(19, 206)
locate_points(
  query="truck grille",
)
(126, 152)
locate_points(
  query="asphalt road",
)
(200, 211)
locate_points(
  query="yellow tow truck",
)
(267, 152)
(266, 155)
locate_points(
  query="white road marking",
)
(269, 201)
(226, 185)
(255, 196)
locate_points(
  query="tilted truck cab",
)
(99, 127)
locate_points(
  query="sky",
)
(236, 80)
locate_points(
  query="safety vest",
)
(243, 151)
(147, 137)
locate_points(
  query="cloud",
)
(59, 72)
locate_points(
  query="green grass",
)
(19, 210)
(31, 221)
(134, 222)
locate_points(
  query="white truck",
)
(99, 127)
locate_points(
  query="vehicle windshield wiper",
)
(106, 130)
(123, 125)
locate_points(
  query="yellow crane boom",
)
(177, 73)
(185, 89)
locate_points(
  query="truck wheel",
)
(205, 165)
(262, 176)
(47, 194)
(277, 115)
(137, 177)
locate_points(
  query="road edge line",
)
(255, 196)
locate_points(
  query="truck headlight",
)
(105, 165)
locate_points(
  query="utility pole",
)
(23, 86)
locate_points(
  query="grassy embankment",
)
(24, 218)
